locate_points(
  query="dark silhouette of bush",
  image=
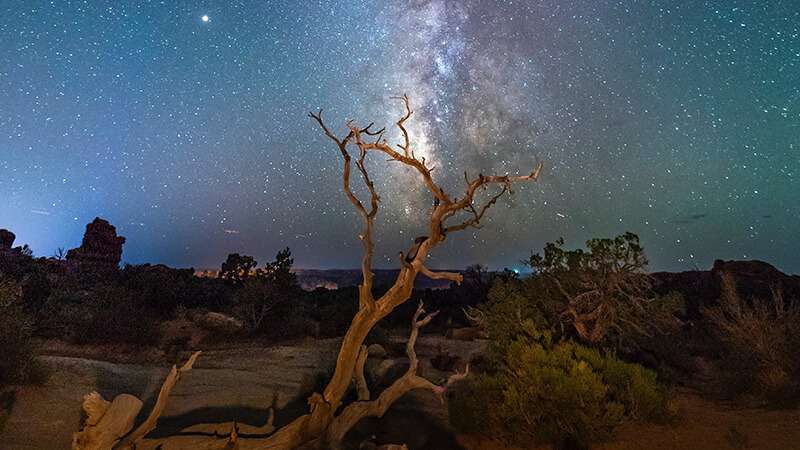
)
(157, 287)
(268, 299)
(116, 316)
(18, 364)
(237, 268)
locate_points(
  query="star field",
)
(184, 124)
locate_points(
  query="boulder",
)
(376, 351)
(214, 321)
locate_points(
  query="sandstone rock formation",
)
(6, 240)
(227, 384)
(101, 246)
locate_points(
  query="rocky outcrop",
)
(226, 384)
(6, 240)
(754, 279)
(101, 246)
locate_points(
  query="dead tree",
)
(328, 420)
(371, 310)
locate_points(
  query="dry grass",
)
(759, 338)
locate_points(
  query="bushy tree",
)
(237, 268)
(602, 292)
(265, 291)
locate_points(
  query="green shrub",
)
(559, 393)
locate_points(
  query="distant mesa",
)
(101, 245)
(6, 240)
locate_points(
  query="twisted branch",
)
(358, 410)
(452, 276)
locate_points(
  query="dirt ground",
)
(707, 425)
(702, 425)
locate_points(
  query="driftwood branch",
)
(106, 422)
(161, 402)
(467, 202)
(108, 425)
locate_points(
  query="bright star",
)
(204, 18)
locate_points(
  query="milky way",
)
(679, 121)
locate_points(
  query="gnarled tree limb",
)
(452, 276)
(358, 410)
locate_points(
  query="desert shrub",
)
(760, 344)
(254, 301)
(15, 265)
(632, 385)
(380, 334)
(63, 313)
(289, 322)
(334, 309)
(18, 364)
(536, 384)
(160, 288)
(737, 438)
(511, 307)
(210, 293)
(264, 296)
(558, 393)
(117, 316)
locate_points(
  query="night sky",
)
(184, 124)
